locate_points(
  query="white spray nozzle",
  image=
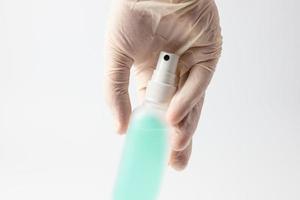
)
(162, 85)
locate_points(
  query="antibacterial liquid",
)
(146, 149)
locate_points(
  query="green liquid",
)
(143, 161)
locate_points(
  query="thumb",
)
(118, 66)
(189, 95)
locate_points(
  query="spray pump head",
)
(162, 85)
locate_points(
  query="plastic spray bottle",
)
(146, 147)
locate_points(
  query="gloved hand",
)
(137, 32)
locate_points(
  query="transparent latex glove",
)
(138, 31)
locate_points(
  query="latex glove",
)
(137, 32)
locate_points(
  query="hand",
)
(138, 31)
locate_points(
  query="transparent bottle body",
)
(144, 156)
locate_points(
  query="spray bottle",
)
(146, 147)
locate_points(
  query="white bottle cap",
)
(162, 85)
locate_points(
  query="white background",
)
(57, 139)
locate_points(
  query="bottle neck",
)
(155, 105)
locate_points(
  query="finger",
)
(143, 71)
(183, 132)
(116, 87)
(189, 95)
(180, 159)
